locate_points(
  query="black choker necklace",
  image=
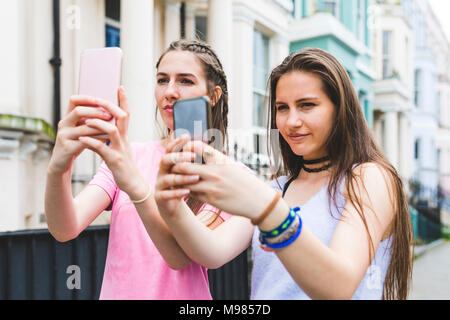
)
(316, 161)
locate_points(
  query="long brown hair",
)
(215, 76)
(349, 144)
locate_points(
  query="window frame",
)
(386, 55)
(259, 125)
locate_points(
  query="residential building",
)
(392, 44)
(45, 41)
(425, 114)
(340, 27)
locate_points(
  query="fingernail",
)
(184, 192)
(194, 178)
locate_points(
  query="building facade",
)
(429, 45)
(342, 28)
(46, 40)
(392, 43)
(394, 52)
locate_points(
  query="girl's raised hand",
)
(171, 188)
(71, 128)
(116, 152)
(223, 182)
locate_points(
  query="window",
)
(387, 67)
(298, 13)
(112, 27)
(421, 32)
(447, 111)
(260, 77)
(438, 106)
(362, 96)
(331, 6)
(383, 134)
(360, 20)
(416, 149)
(201, 23)
(439, 154)
(417, 81)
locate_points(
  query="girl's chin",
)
(168, 123)
(302, 152)
(299, 151)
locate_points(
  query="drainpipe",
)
(183, 20)
(56, 64)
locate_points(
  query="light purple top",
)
(271, 281)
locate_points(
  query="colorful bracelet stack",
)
(285, 234)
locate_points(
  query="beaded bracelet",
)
(287, 237)
(283, 226)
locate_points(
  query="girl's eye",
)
(308, 105)
(162, 80)
(281, 107)
(187, 81)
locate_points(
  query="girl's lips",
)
(298, 137)
(168, 108)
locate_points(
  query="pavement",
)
(431, 272)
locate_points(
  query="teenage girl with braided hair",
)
(144, 261)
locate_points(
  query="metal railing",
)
(428, 203)
(33, 265)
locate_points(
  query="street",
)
(431, 275)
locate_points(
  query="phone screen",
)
(192, 116)
(100, 73)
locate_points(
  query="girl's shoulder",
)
(371, 171)
(278, 183)
(374, 179)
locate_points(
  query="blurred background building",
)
(395, 52)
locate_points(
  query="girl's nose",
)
(172, 92)
(294, 119)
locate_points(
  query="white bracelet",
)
(145, 198)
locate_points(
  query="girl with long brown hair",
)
(144, 260)
(341, 228)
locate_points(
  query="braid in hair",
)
(215, 76)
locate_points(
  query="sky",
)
(442, 10)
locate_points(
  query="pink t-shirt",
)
(134, 267)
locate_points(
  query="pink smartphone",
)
(100, 74)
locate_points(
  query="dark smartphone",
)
(192, 116)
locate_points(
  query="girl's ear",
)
(217, 93)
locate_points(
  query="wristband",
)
(143, 199)
(266, 212)
(283, 226)
(285, 237)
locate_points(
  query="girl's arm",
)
(323, 272)
(210, 248)
(119, 159)
(66, 216)
(335, 272)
